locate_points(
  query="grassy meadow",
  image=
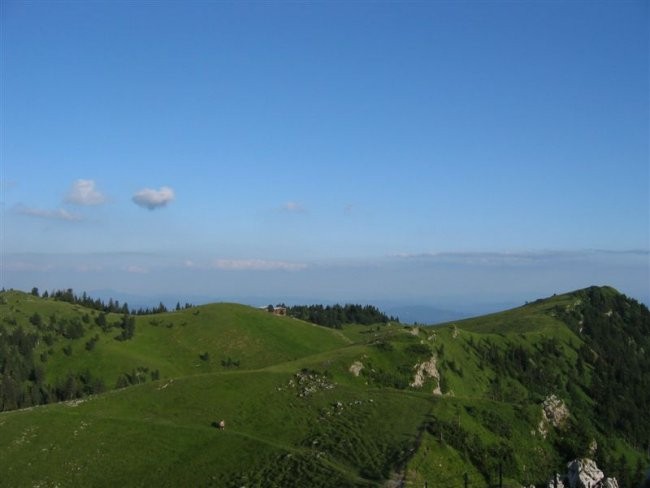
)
(304, 405)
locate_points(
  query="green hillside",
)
(171, 344)
(306, 405)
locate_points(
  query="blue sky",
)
(423, 152)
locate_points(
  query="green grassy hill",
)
(310, 406)
(172, 343)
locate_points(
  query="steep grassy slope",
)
(309, 406)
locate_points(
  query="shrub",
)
(384, 346)
(418, 350)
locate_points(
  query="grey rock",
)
(560, 482)
(609, 483)
(584, 473)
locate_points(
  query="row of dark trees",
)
(112, 306)
(335, 316)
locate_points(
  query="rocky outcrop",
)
(554, 413)
(356, 367)
(609, 483)
(583, 473)
(427, 369)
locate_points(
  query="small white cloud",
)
(152, 199)
(84, 192)
(294, 207)
(56, 214)
(256, 265)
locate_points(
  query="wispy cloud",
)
(475, 256)
(513, 258)
(293, 207)
(84, 192)
(639, 252)
(25, 266)
(88, 268)
(256, 265)
(56, 214)
(153, 199)
(136, 269)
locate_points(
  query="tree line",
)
(112, 306)
(335, 316)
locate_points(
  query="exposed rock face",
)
(583, 473)
(609, 483)
(555, 411)
(356, 367)
(427, 369)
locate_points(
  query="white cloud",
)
(293, 207)
(57, 214)
(84, 192)
(152, 199)
(486, 258)
(256, 265)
